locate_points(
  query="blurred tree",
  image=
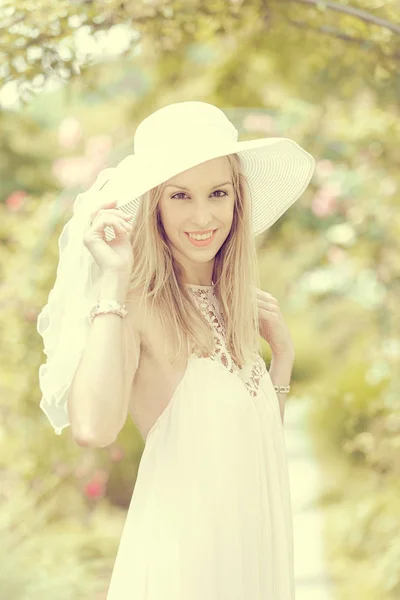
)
(63, 39)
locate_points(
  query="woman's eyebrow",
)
(186, 189)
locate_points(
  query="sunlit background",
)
(75, 81)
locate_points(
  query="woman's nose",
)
(202, 215)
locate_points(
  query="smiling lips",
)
(200, 243)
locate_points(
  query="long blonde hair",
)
(158, 276)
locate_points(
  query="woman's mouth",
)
(202, 243)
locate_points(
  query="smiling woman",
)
(210, 516)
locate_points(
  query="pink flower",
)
(336, 254)
(117, 454)
(31, 314)
(96, 487)
(324, 167)
(69, 133)
(324, 203)
(80, 170)
(16, 200)
(83, 170)
(98, 145)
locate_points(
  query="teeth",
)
(201, 237)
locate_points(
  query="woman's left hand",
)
(272, 325)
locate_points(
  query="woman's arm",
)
(99, 398)
(280, 372)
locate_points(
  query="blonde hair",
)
(158, 276)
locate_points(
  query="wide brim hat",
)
(171, 140)
(183, 135)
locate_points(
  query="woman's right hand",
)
(115, 255)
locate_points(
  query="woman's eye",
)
(183, 193)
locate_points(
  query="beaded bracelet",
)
(282, 389)
(104, 306)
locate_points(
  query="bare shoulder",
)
(136, 310)
(144, 319)
(142, 316)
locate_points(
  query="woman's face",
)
(199, 200)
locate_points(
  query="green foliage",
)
(357, 436)
(39, 558)
(363, 514)
(347, 405)
(356, 47)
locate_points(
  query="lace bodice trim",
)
(250, 374)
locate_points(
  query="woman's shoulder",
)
(135, 305)
(142, 315)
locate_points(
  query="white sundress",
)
(210, 517)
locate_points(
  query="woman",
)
(210, 516)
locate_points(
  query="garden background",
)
(75, 80)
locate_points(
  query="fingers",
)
(110, 218)
(109, 211)
(104, 205)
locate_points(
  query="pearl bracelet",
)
(282, 389)
(106, 306)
